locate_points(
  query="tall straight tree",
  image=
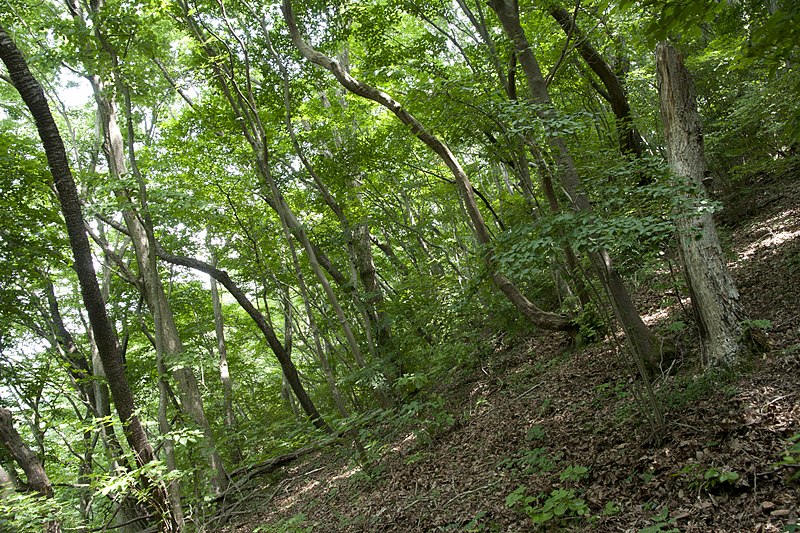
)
(168, 341)
(715, 298)
(105, 335)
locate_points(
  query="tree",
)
(714, 294)
(28, 461)
(646, 347)
(104, 334)
(537, 316)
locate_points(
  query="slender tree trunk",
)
(104, 333)
(139, 230)
(360, 252)
(537, 316)
(7, 486)
(321, 355)
(630, 141)
(289, 370)
(715, 297)
(231, 424)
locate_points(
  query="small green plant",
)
(591, 327)
(414, 457)
(661, 523)
(535, 433)
(546, 404)
(574, 473)
(532, 461)
(611, 509)
(709, 478)
(754, 335)
(676, 326)
(715, 476)
(559, 506)
(791, 457)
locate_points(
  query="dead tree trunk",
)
(715, 297)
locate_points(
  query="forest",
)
(399, 265)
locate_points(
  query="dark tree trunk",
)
(24, 456)
(629, 139)
(287, 365)
(104, 334)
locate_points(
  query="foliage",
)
(574, 473)
(27, 512)
(196, 82)
(534, 461)
(559, 506)
(661, 523)
(791, 457)
(708, 479)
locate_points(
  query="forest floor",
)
(564, 425)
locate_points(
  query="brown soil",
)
(537, 408)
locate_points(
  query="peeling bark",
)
(714, 294)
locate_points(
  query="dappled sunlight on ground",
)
(660, 315)
(538, 408)
(404, 444)
(772, 233)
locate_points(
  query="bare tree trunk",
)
(538, 317)
(224, 371)
(104, 333)
(715, 297)
(360, 252)
(321, 355)
(7, 486)
(24, 456)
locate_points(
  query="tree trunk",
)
(287, 365)
(629, 139)
(27, 460)
(104, 333)
(715, 297)
(164, 322)
(321, 356)
(24, 456)
(224, 371)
